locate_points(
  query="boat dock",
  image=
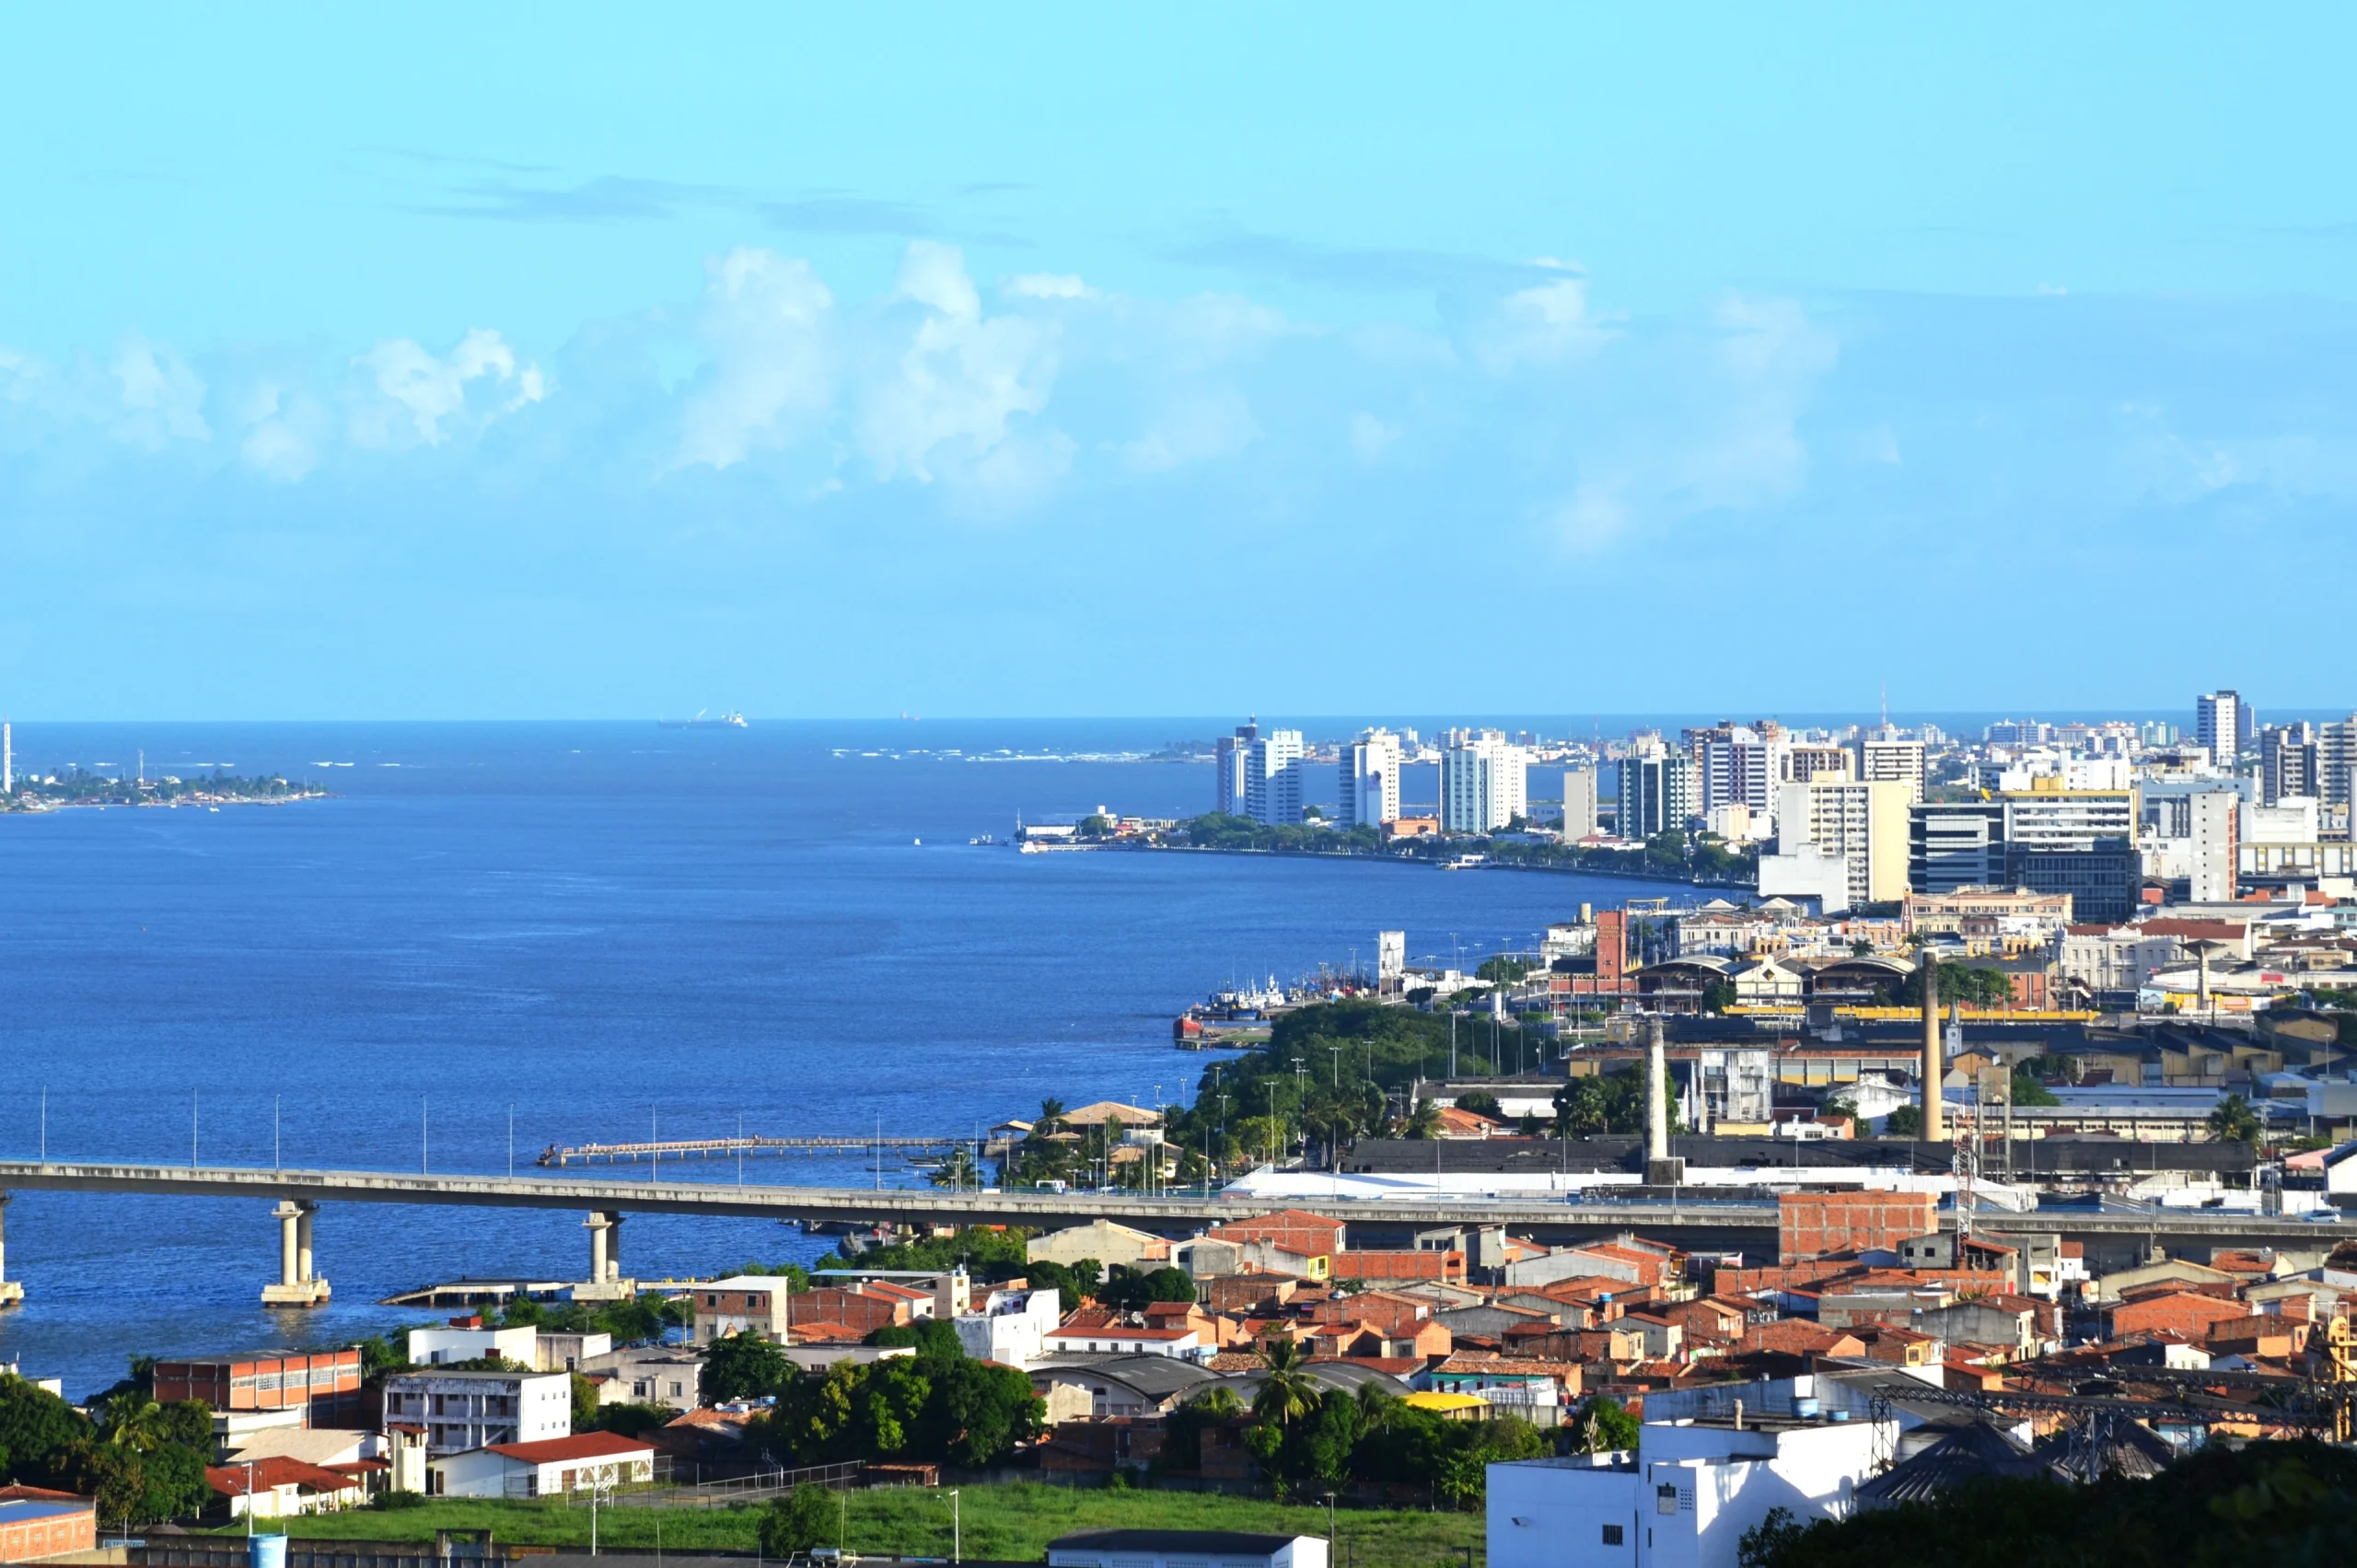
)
(724, 1148)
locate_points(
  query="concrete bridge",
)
(606, 1200)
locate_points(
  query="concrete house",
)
(474, 1410)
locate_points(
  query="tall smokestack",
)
(1657, 1096)
(1661, 1170)
(8, 759)
(1935, 1127)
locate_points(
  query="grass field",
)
(1010, 1523)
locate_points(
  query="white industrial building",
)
(1685, 1496)
(1185, 1549)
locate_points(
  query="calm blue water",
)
(602, 928)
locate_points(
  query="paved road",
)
(1175, 1216)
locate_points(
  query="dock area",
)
(724, 1148)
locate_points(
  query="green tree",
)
(1482, 1102)
(2029, 1089)
(2234, 1121)
(805, 1518)
(1718, 996)
(1130, 1290)
(1423, 1121)
(1604, 1426)
(932, 1338)
(1906, 1122)
(1073, 1282)
(960, 1171)
(742, 1367)
(586, 1404)
(35, 1428)
(628, 1419)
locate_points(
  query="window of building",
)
(1612, 1535)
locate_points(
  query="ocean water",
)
(593, 931)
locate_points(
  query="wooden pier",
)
(724, 1148)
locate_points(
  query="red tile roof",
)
(230, 1480)
(581, 1446)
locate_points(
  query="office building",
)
(1579, 802)
(1803, 761)
(1369, 781)
(1956, 843)
(1893, 761)
(2222, 723)
(1737, 764)
(2287, 761)
(1657, 791)
(2080, 841)
(2209, 876)
(324, 1387)
(1228, 754)
(1483, 782)
(1864, 822)
(2337, 761)
(1273, 777)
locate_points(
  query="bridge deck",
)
(934, 1205)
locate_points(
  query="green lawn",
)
(1010, 1523)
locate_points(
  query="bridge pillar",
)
(11, 1293)
(606, 1282)
(298, 1285)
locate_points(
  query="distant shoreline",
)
(1412, 861)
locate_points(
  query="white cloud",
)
(285, 434)
(413, 383)
(768, 324)
(162, 400)
(1193, 430)
(940, 403)
(1370, 436)
(1048, 285)
(1541, 324)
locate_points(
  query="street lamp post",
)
(957, 1529)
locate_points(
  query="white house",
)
(435, 1347)
(1011, 1327)
(474, 1410)
(1684, 1496)
(552, 1467)
(1184, 1548)
(1117, 1339)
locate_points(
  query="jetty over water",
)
(723, 1148)
(605, 1201)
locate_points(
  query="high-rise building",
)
(1738, 765)
(1804, 760)
(2214, 816)
(2218, 724)
(1579, 802)
(1228, 754)
(2337, 761)
(1893, 761)
(2287, 761)
(2080, 841)
(1657, 791)
(1369, 781)
(1273, 778)
(1484, 782)
(1956, 843)
(1864, 822)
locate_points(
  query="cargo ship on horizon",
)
(732, 719)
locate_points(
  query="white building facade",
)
(474, 1410)
(1369, 781)
(1685, 1496)
(1012, 1327)
(1483, 782)
(1273, 778)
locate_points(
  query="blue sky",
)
(592, 361)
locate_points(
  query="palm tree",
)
(1288, 1390)
(1423, 1121)
(133, 1420)
(2234, 1121)
(1051, 1118)
(959, 1171)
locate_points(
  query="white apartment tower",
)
(1864, 822)
(1484, 783)
(1228, 754)
(2213, 815)
(1273, 778)
(1893, 761)
(2219, 723)
(1579, 802)
(1369, 779)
